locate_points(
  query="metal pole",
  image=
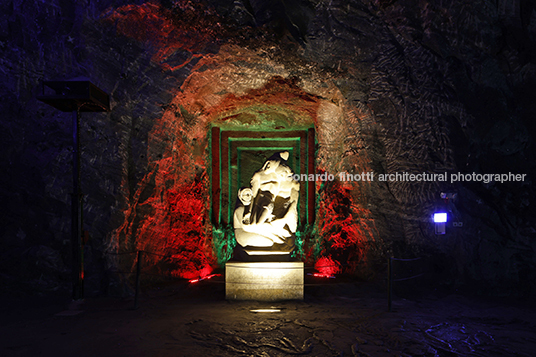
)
(138, 270)
(389, 283)
(76, 208)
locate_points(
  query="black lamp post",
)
(76, 96)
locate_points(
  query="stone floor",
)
(337, 318)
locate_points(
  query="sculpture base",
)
(264, 281)
(264, 252)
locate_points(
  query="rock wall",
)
(391, 86)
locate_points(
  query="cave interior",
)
(397, 109)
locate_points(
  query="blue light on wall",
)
(440, 220)
(440, 217)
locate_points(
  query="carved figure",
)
(266, 216)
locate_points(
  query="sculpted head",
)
(266, 218)
(246, 196)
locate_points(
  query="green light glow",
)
(224, 243)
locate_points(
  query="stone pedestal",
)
(264, 281)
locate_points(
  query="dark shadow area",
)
(338, 316)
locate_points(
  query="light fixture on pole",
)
(76, 96)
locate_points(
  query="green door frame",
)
(227, 148)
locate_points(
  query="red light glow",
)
(346, 229)
(326, 267)
(320, 275)
(165, 30)
(205, 278)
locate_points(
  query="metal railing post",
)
(389, 283)
(138, 270)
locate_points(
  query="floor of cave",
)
(336, 318)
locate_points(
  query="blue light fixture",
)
(440, 220)
(440, 217)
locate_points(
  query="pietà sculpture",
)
(266, 215)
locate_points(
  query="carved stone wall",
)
(390, 86)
